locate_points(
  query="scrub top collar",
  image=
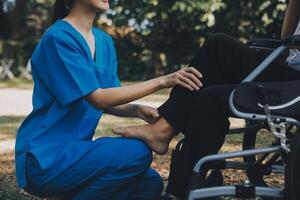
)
(83, 39)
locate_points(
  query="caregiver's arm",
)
(125, 110)
(105, 98)
(146, 113)
(291, 18)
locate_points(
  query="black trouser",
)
(202, 116)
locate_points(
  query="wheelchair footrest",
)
(235, 191)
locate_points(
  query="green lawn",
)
(9, 125)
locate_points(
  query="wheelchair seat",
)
(283, 98)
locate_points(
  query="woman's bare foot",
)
(157, 135)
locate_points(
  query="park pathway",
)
(15, 102)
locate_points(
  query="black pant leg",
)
(205, 133)
(227, 67)
(224, 60)
(221, 60)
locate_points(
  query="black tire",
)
(249, 142)
(256, 177)
(292, 171)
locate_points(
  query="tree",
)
(165, 34)
(154, 37)
(25, 21)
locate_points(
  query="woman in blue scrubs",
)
(74, 69)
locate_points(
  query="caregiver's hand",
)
(148, 114)
(187, 77)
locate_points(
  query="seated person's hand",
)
(188, 78)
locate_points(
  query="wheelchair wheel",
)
(249, 142)
(260, 166)
(292, 171)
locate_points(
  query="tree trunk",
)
(19, 16)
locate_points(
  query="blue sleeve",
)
(65, 70)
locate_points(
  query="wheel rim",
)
(249, 142)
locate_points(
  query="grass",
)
(8, 127)
(10, 124)
(19, 83)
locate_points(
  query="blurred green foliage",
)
(24, 22)
(153, 37)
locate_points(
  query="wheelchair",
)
(271, 106)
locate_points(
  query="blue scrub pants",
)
(116, 169)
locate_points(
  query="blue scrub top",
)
(61, 121)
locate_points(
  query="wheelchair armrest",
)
(293, 40)
(265, 43)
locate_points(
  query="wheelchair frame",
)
(247, 190)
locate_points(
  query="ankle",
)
(162, 126)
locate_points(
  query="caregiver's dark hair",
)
(61, 9)
(5, 23)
